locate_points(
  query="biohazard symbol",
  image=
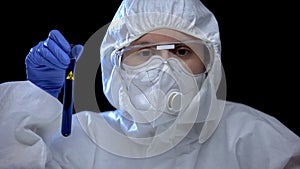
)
(70, 76)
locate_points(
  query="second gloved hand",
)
(47, 62)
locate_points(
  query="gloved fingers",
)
(60, 40)
(40, 56)
(58, 55)
(34, 61)
(76, 51)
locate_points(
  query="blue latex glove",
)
(46, 63)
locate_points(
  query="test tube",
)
(68, 99)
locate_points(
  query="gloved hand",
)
(47, 62)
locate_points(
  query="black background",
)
(258, 53)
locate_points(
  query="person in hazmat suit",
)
(161, 70)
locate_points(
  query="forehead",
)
(162, 35)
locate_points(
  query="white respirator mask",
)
(153, 85)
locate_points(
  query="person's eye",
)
(145, 52)
(182, 51)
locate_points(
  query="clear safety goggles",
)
(137, 55)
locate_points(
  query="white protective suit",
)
(210, 134)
